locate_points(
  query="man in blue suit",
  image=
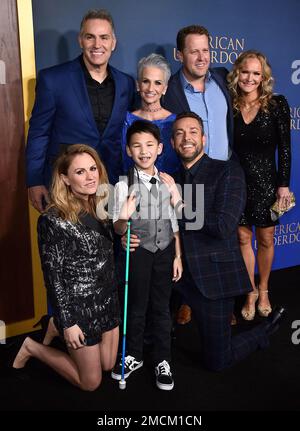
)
(199, 88)
(214, 269)
(81, 101)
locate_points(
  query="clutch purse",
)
(277, 212)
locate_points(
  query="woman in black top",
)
(262, 126)
(76, 250)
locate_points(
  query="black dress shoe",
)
(274, 319)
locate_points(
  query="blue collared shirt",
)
(211, 106)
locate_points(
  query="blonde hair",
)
(265, 90)
(61, 195)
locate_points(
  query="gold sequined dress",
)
(256, 144)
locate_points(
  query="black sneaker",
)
(164, 379)
(130, 365)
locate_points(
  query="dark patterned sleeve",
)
(230, 199)
(52, 247)
(284, 141)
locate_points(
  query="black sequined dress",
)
(255, 144)
(79, 273)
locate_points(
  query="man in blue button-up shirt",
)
(198, 88)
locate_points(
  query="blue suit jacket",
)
(62, 115)
(176, 101)
(212, 253)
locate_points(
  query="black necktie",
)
(153, 189)
(187, 187)
(187, 178)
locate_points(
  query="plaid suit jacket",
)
(212, 253)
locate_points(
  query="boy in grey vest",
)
(156, 263)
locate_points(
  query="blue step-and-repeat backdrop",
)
(142, 27)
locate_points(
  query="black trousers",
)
(219, 348)
(149, 292)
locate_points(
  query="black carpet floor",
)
(267, 380)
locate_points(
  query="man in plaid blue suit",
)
(214, 270)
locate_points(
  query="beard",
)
(192, 156)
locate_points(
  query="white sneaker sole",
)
(165, 387)
(118, 376)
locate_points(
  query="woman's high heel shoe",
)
(12, 351)
(248, 312)
(44, 322)
(264, 311)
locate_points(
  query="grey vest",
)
(151, 222)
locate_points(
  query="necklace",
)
(151, 110)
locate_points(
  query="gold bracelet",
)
(177, 256)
